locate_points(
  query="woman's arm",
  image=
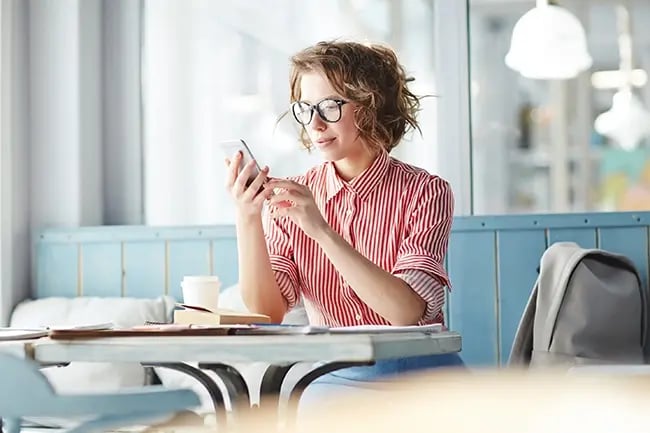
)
(260, 290)
(388, 295)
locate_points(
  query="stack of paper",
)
(7, 334)
(386, 329)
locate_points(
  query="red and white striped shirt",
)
(396, 215)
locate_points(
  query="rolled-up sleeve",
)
(422, 252)
(282, 259)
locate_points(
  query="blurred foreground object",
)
(505, 401)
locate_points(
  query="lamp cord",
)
(624, 45)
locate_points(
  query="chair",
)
(25, 391)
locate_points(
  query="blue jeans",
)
(356, 380)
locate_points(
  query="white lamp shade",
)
(548, 42)
(627, 122)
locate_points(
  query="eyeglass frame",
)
(316, 107)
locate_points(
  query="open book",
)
(195, 315)
(12, 334)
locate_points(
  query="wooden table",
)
(218, 353)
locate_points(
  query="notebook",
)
(164, 330)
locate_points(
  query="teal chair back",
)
(26, 392)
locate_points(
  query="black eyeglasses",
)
(328, 109)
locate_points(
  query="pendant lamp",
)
(548, 43)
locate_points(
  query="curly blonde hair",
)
(368, 75)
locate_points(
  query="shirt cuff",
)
(286, 275)
(422, 263)
(429, 289)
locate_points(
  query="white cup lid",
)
(201, 279)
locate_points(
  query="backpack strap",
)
(557, 266)
(522, 346)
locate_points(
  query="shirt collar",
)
(363, 184)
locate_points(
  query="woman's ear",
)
(355, 113)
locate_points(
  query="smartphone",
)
(231, 147)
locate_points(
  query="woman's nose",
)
(317, 122)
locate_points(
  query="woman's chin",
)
(330, 154)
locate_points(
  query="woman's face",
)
(336, 140)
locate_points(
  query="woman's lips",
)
(324, 142)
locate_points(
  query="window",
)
(219, 70)
(535, 145)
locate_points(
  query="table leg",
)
(273, 379)
(306, 380)
(206, 381)
(270, 386)
(234, 382)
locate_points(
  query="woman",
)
(360, 238)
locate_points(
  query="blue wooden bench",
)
(492, 263)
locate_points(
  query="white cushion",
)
(122, 312)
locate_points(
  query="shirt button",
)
(358, 317)
(349, 212)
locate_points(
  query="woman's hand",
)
(248, 199)
(297, 202)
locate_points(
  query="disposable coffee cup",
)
(201, 291)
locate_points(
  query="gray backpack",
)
(588, 306)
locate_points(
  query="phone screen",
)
(231, 147)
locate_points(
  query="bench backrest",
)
(492, 262)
